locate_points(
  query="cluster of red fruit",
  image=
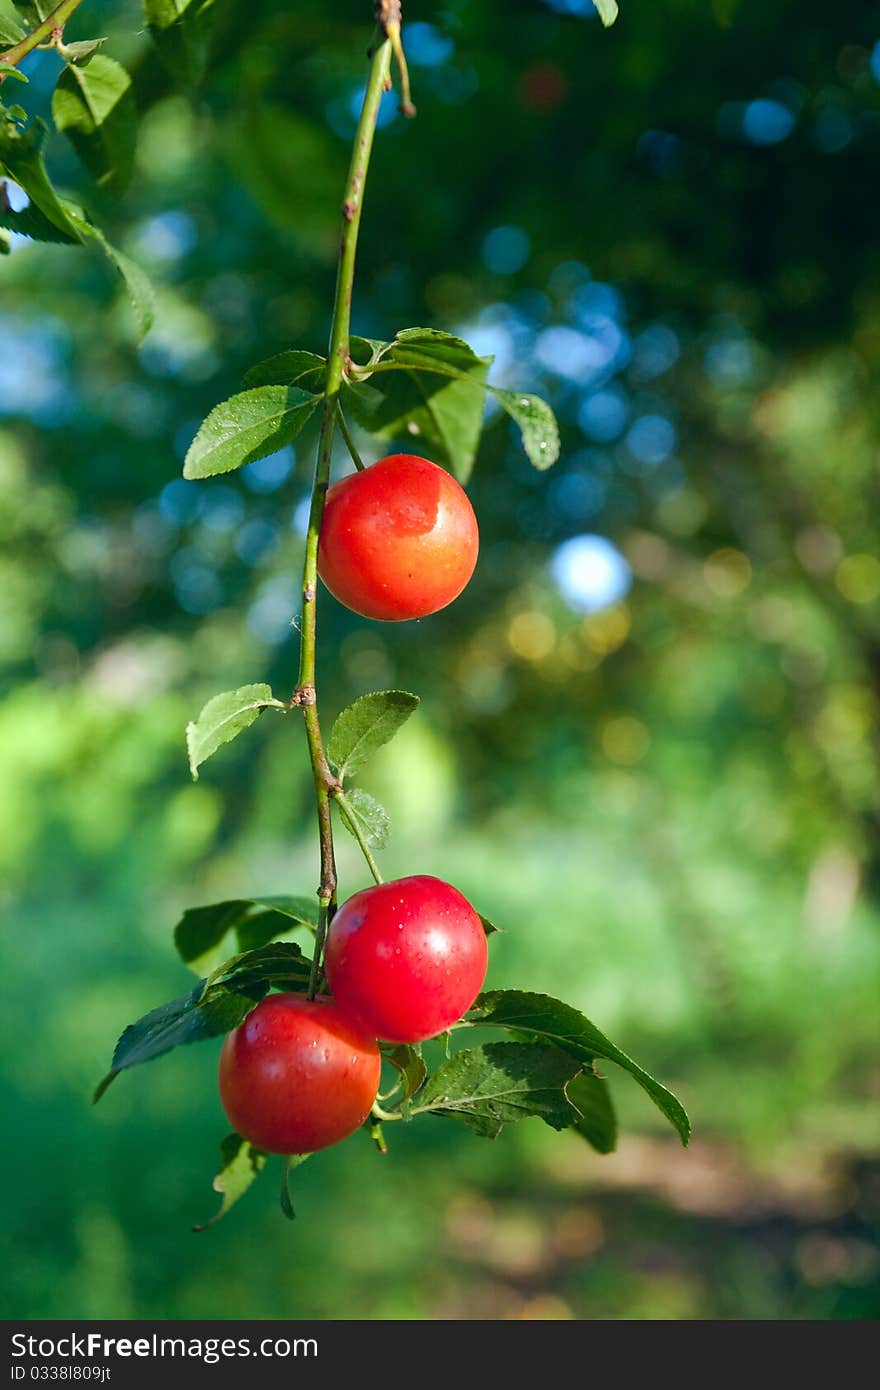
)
(404, 960)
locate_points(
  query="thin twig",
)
(337, 361)
(349, 442)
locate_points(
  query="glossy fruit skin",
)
(407, 958)
(398, 540)
(298, 1075)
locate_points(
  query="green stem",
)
(349, 442)
(337, 362)
(381, 1114)
(44, 30)
(353, 823)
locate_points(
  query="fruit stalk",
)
(337, 361)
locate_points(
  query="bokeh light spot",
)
(625, 740)
(267, 474)
(767, 122)
(651, 439)
(426, 46)
(858, 578)
(603, 414)
(531, 635)
(506, 250)
(727, 572)
(606, 632)
(590, 573)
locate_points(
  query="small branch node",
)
(387, 14)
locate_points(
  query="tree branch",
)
(337, 362)
(54, 21)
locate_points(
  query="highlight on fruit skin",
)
(298, 1075)
(399, 540)
(407, 958)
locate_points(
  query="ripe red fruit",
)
(406, 958)
(298, 1075)
(399, 540)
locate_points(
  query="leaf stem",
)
(44, 30)
(381, 1114)
(354, 824)
(337, 363)
(349, 442)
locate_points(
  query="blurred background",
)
(647, 743)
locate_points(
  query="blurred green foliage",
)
(670, 801)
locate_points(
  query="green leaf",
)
(205, 1013)
(280, 964)
(363, 727)
(450, 417)
(372, 818)
(8, 70)
(408, 1061)
(364, 351)
(11, 27)
(5, 246)
(137, 283)
(223, 718)
(181, 31)
(30, 222)
(537, 423)
(21, 155)
(216, 1005)
(279, 915)
(491, 1086)
(84, 48)
(361, 400)
(240, 1163)
(547, 1020)
(608, 11)
(51, 218)
(202, 931)
(291, 1161)
(94, 107)
(305, 369)
(247, 427)
(488, 927)
(591, 1097)
(437, 393)
(430, 349)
